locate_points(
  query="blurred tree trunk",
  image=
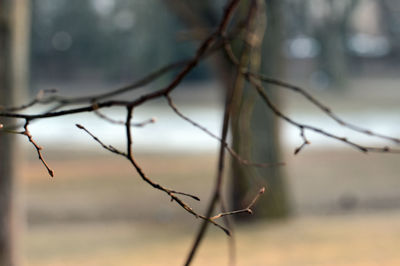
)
(255, 131)
(13, 77)
(389, 20)
(261, 142)
(332, 58)
(332, 33)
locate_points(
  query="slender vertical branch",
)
(218, 183)
(221, 157)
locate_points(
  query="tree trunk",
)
(332, 35)
(13, 79)
(255, 132)
(253, 113)
(332, 60)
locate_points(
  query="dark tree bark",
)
(13, 78)
(7, 256)
(261, 142)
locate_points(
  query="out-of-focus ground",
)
(97, 210)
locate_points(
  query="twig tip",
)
(297, 150)
(51, 172)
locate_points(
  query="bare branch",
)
(321, 106)
(257, 85)
(119, 122)
(169, 192)
(37, 147)
(97, 97)
(233, 153)
(255, 79)
(221, 160)
(39, 96)
(245, 210)
(107, 147)
(305, 142)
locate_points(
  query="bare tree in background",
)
(248, 81)
(331, 29)
(254, 129)
(7, 185)
(13, 78)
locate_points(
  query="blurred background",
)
(328, 205)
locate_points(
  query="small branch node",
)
(95, 106)
(298, 149)
(185, 194)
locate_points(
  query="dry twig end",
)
(51, 172)
(79, 126)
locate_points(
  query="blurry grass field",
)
(340, 240)
(97, 211)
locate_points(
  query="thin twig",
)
(218, 185)
(232, 152)
(245, 210)
(221, 157)
(204, 51)
(321, 106)
(107, 147)
(232, 239)
(257, 85)
(120, 122)
(118, 91)
(37, 147)
(169, 192)
(255, 79)
(305, 142)
(201, 52)
(39, 96)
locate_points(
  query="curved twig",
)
(232, 152)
